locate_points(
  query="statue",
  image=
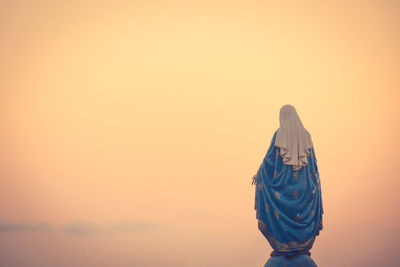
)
(288, 200)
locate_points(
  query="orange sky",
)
(130, 130)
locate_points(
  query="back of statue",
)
(288, 199)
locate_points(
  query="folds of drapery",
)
(288, 202)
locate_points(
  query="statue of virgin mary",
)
(288, 200)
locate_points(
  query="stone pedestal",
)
(280, 261)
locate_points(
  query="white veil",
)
(293, 139)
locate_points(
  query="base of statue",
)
(280, 261)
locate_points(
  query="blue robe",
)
(288, 203)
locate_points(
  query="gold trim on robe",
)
(283, 247)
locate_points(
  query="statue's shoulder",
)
(274, 137)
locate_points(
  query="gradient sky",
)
(130, 130)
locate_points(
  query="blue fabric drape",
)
(288, 203)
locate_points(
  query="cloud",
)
(80, 228)
(136, 226)
(9, 226)
(85, 228)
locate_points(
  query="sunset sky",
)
(130, 130)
